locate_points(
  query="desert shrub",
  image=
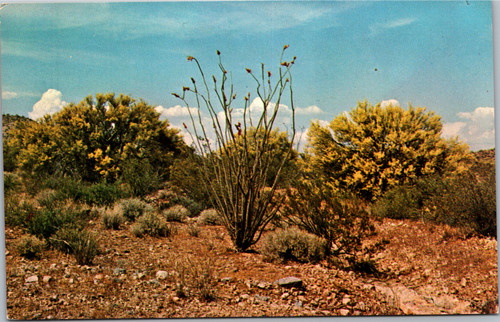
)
(140, 176)
(193, 230)
(134, 208)
(30, 247)
(342, 221)
(152, 224)
(407, 201)
(18, 212)
(112, 220)
(176, 213)
(468, 201)
(45, 222)
(98, 194)
(171, 198)
(194, 275)
(11, 182)
(293, 244)
(210, 217)
(79, 242)
(47, 198)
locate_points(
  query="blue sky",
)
(433, 54)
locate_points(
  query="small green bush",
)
(18, 212)
(210, 217)
(140, 176)
(45, 223)
(98, 194)
(11, 182)
(47, 198)
(293, 244)
(30, 247)
(407, 201)
(112, 220)
(79, 242)
(152, 224)
(176, 213)
(468, 201)
(134, 208)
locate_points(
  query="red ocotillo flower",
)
(185, 126)
(248, 70)
(190, 58)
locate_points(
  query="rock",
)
(346, 300)
(226, 279)
(161, 275)
(263, 285)
(360, 306)
(245, 296)
(289, 282)
(298, 303)
(262, 298)
(140, 275)
(47, 279)
(32, 279)
(98, 277)
(463, 282)
(344, 312)
(285, 295)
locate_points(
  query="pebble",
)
(344, 312)
(161, 275)
(285, 295)
(32, 279)
(47, 279)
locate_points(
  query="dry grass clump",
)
(293, 244)
(152, 224)
(30, 247)
(176, 213)
(210, 217)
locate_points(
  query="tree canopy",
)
(95, 139)
(373, 148)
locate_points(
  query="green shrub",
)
(47, 198)
(170, 198)
(152, 224)
(140, 176)
(342, 221)
(210, 217)
(11, 182)
(44, 223)
(98, 194)
(18, 212)
(134, 208)
(30, 247)
(176, 213)
(293, 244)
(468, 201)
(112, 220)
(407, 201)
(81, 243)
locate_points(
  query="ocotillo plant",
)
(235, 162)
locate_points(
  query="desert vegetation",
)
(106, 176)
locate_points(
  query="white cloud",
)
(477, 129)
(6, 95)
(176, 111)
(392, 102)
(390, 24)
(50, 103)
(313, 109)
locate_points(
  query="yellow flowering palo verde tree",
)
(236, 147)
(373, 148)
(97, 139)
